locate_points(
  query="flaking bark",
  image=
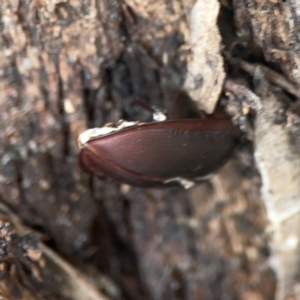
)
(66, 66)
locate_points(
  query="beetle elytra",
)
(158, 153)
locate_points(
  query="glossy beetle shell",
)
(152, 154)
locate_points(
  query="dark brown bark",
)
(67, 66)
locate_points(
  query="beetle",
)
(158, 153)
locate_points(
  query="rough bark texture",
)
(274, 27)
(205, 73)
(69, 65)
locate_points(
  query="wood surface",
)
(70, 65)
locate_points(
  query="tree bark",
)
(70, 65)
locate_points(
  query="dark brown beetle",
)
(158, 153)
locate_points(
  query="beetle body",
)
(158, 153)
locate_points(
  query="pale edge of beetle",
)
(108, 128)
(92, 133)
